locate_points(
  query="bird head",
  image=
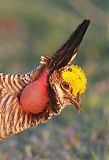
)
(67, 82)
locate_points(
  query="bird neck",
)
(34, 96)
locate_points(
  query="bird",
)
(35, 97)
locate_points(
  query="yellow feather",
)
(76, 77)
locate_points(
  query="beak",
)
(68, 51)
(76, 101)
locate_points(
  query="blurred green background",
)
(29, 29)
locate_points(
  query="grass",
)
(31, 29)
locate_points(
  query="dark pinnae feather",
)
(62, 56)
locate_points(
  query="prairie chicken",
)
(29, 99)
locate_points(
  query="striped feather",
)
(12, 118)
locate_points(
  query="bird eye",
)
(65, 85)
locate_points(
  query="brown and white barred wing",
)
(12, 118)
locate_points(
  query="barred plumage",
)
(12, 118)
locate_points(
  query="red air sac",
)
(34, 96)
